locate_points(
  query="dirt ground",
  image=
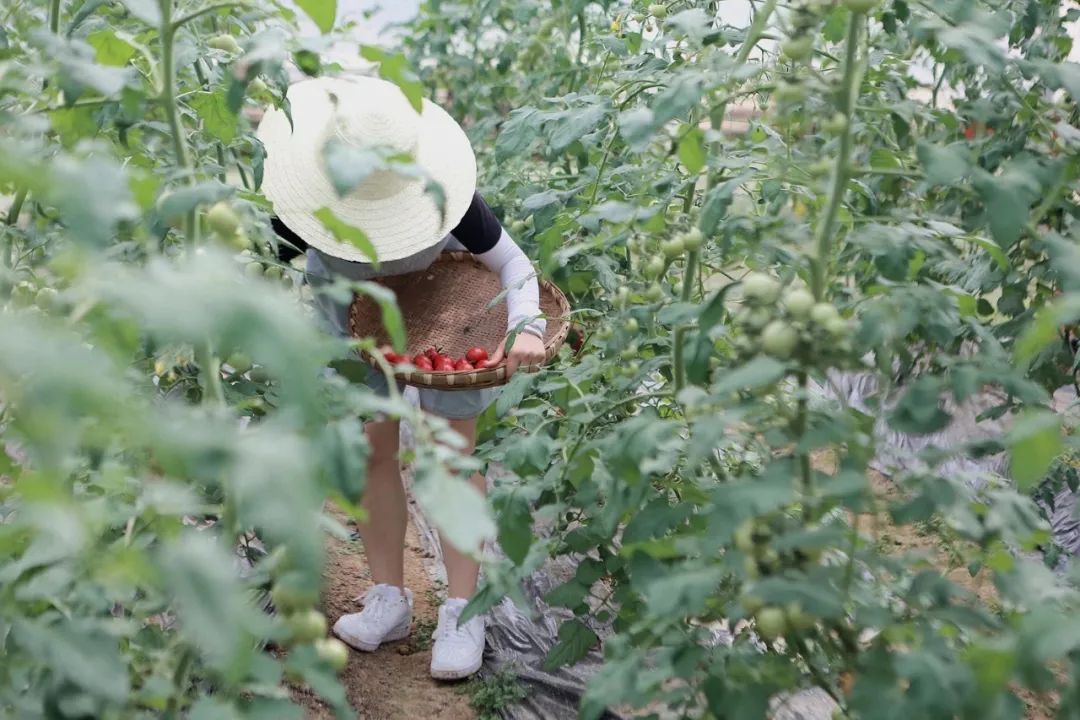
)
(392, 683)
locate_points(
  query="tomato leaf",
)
(575, 641)
(391, 313)
(515, 527)
(395, 68)
(943, 165)
(348, 234)
(692, 150)
(213, 109)
(322, 12)
(1034, 443)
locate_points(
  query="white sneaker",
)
(387, 615)
(459, 649)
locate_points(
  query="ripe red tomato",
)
(444, 364)
(476, 355)
(462, 365)
(393, 358)
(432, 354)
(423, 362)
(969, 132)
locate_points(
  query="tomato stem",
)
(678, 359)
(54, 17)
(172, 111)
(841, 173)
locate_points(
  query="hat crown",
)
(378, 118)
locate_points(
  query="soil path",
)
(392, 683)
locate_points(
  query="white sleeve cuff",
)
(518, 278)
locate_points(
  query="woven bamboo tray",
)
(445, 306)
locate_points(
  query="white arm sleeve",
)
(519, 280)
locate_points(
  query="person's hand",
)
(527, 353)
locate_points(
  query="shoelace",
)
(451, 630)
(376, 601)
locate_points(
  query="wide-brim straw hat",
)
(395, 210)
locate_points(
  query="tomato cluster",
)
(434, 360)
(782, 322)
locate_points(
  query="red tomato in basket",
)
(444, 364)
(432, 354)
(423, 362)
(476, 355)
(463, 365)
(393, 358)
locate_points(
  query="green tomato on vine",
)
(799, 48)
(779, 339)
(224, 42)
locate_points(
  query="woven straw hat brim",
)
(399, 226)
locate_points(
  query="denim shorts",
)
(452, 404)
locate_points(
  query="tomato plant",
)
(162, 395)
(867, 220)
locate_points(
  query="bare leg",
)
(384, 500)
(463, 571)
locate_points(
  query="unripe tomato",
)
(836, 124)
(24, 293)
(273, 273)
(693, 239)
(770, 622)
(798, 48)
(45, 298)
(631, 325)
(631, 369)
(259, 375)
(622, 296)
(790, 93)
(239, 362)
(672, 248)
(239, 240)
(751, 603)
(677, 288)
(761, 288)
(750, 568)
(779, 339)
(658, 11)
(823, 313)
(860, 6)
(837, 327)
(744, 537)
(654, 268)
(257, 87)
(796, 618)
(253, 269)
(798, 303)
(755, 319)
(224, 42)
(306, 626)
(655, 293)
(517, 227)
(332, 652)
(291, 595)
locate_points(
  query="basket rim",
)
(474, 379)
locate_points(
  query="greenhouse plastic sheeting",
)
(900, 453)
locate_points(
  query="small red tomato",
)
(393, 358)
(476, 355)
(423, 362)
(432, 354)
(444, 364)
(462, 365)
